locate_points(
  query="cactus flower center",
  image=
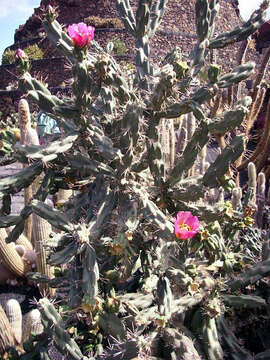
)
(185, 226)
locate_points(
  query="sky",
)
(15, 12)
(12, 14)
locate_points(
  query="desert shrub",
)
(119, 47)
(99, 22)
(8, 57)
(34, 52)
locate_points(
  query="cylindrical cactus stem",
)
(202, 157)
(268, 196)
(181, 141)
(63, 196)
(29, 136)
(260, 200)
(179, 345)
(172, 142)
(236, 198)
(9, 256)
(257, 92)
(191, 127)
(41, 232)
(7, 339)
(220, 196)
(24, 118)
(53, 323)
(33, 325)
(261, 185)
(28, 194)
(210, 339)
(14, 315)
(250, 198)
(168, 143)
(206, 167)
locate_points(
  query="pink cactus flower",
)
(81, 34)
(186, 225)
(20, 53)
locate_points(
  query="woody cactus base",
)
(149, 259)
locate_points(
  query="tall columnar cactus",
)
(16, 339)
(14, 315)
(117, 231)
(33, 325)
(10, 257)
(7, 339)
(40, 233)
(29, 136)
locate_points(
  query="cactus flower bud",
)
(20, 53)
(22, 61)
(81, 34)
(186, 225)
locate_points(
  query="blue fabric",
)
(46, 125)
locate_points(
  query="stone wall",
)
(9, 100)
(53, 71)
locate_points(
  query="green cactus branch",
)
(240, 33)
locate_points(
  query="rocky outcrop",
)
(177, 28)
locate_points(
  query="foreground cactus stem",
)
(178, 344)
(62, 340)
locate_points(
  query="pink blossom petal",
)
(186, 225)
(82, 28)
(81, 34)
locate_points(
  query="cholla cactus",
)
(119, 224)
